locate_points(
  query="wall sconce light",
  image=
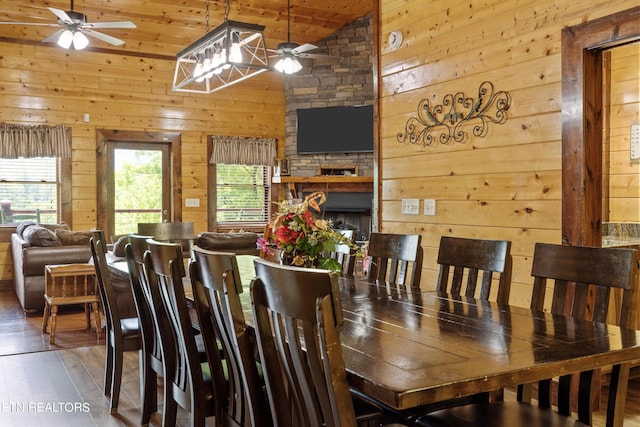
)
(232, 52)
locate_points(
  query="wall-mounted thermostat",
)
(395, 39)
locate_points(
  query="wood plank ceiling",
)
(165, 27)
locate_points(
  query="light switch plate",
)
(635, 142)
(192, 203)
(430, 207)
(411, 206)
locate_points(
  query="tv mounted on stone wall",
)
(335, 129)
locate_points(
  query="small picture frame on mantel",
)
(281, 168)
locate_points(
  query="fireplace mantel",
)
(326, 183)
(333, 179)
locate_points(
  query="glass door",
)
(139, 185)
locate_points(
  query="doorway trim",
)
(582, 52)
(103, 136)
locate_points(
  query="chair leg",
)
(108, 366)
(116, 379)
(170, 408)
(148, 389)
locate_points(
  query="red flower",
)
(308, 218)
(286, 236)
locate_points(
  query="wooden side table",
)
(66, 284)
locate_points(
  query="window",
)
(242, 194)
(29, 190)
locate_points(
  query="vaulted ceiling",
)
(165, 27)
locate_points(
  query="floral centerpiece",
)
(302, 238)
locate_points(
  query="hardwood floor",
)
(61, 385)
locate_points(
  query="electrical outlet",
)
(635, 142)
(430, 207)
(411, 206)
(192, 203)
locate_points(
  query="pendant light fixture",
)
(232, 52)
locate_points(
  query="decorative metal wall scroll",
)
(447, 122)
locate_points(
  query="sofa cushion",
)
(226, 241)
(53, 227)
(68, 238)
(37, 235)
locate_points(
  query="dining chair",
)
(190, 380)
(121, 334)
(302, 390)
(395, 258)
(170, 232)
(583, 279)
(345, 255)
(467, 258)
(216, 285)
(146, 299)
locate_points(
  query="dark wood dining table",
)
(407, 348)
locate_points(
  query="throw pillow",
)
(68, 238)
(118, 246)
(23, 226)
(37, 235)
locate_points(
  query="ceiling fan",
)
(75, 26)
(288, 52)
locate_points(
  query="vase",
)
(286, 258)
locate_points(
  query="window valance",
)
(236, 150)
(34, 141)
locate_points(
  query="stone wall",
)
(331, 83)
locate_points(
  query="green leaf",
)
(329, 264)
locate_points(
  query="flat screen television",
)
(335, 130)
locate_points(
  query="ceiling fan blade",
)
(62, 15)
(279, 51)
(53, 38)
(303, 48)
(318, 56)
(121, 24)
(105, 38)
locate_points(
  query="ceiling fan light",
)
(80, 41)
(295, 65)
(288, 65)
(65, 39)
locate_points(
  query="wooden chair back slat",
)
(575, 270)
(470, 257)
(395, 258)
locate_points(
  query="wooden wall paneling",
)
(541, 156)
(526, 185)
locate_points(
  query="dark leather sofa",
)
(28, 273)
